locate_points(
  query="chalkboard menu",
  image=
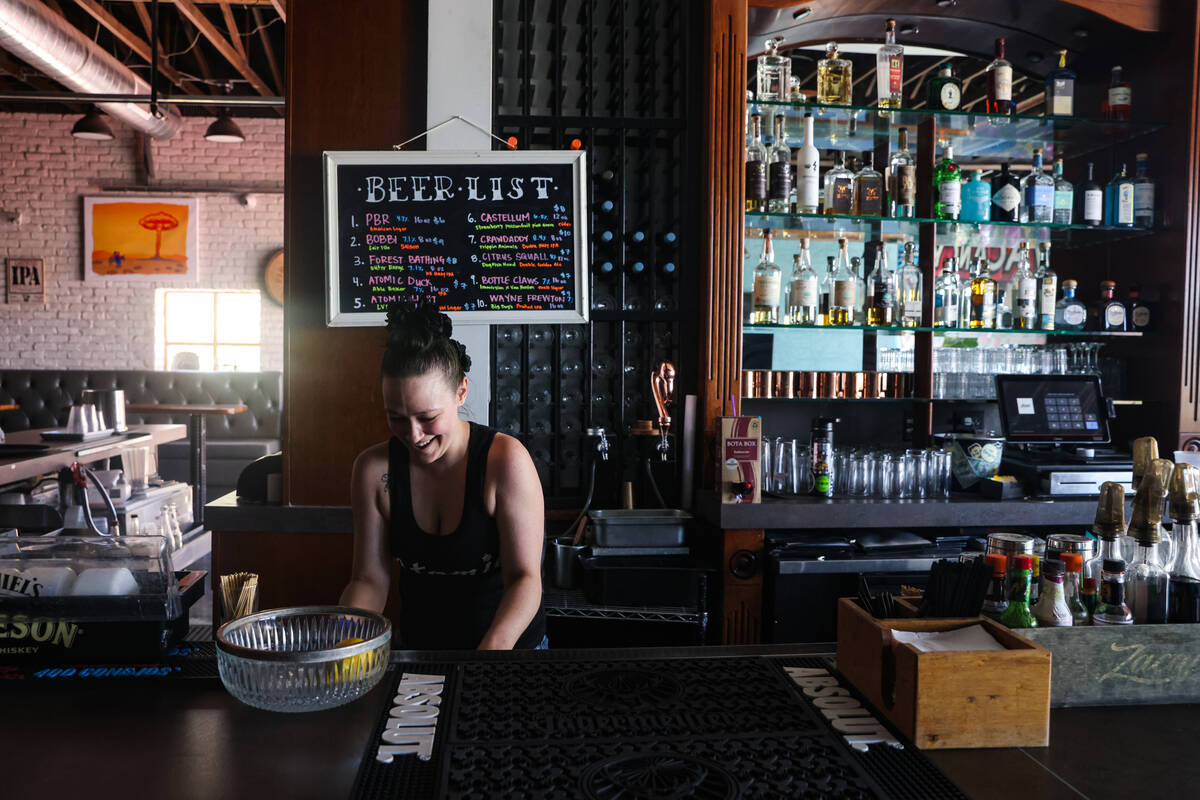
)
(493, 236)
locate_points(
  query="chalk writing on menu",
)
(478, 237)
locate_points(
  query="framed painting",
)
(141, 239)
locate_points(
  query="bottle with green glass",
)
(947, 186)
(1018, 613)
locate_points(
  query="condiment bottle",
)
(1035, 580)
(1052, 610)
(821, 453)
(1111, 610)
(1183, 592)
(996, 602)
(1073, 562)
(1146, 578)
(1109, 528)
(1018, 615)
(1087, 594)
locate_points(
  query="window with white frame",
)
(208, 329)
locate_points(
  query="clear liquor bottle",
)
(947, 186)
(804, 290)
(1118, 201)
(881, 292)
(835, 77)
(999, 83)
(1064, 196)
(756, 167)
(947, 296)
(1069, 313)
(867, 199)
(779, 171)
(982, 314)
(809, 178)
(766, 285)
(839, 186)
(825, 289)
(843, 289)
(908, 284)
(1024, 292)
(774, 73)
(1093, 199)
(1047, 281)
(1060, 89)
(1037, 190)
(1006, 196)
(889, 69)
(860, 290)
(1143, 194)
(902, 179)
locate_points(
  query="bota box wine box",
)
(739, 459)
(978, 698)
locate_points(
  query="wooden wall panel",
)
(742, 597)
(355, 81)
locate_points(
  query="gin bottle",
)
(1024, 292)
(881, 292)
(982, 313)
(779, 171)
(945, 90)
(1143, 194)
(756, 168)
(1047, 281)
(908, 284)
(774, 73)
(947, 187)
(1006, 196)
(839, 186)
(809, 179)
(889, 69)
(843, 289)
(835, 77)
(1064, 195)
(1038, 191)
(976, 199)
(1069, 313)
(946, 296)
(1118, 200)
(766, 286)
(1060, 89)
(804, 304)
(902, 179)
(1093, 199)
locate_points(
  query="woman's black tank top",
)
(450, 586)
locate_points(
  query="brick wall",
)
(44, 173)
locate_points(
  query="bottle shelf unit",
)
(955, 332)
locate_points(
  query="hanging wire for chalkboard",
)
(510, 143)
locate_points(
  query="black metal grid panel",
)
(611, 78)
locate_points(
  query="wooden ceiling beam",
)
(280, 9)
(269, 48)
(197, 17)
(134, 42)
(235, 35)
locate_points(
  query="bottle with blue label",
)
(1118, 200)
(976, 199)
(1037, 191)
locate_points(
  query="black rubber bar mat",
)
(614, 729)
(187, 661)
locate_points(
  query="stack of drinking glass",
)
(965, 373)
(859, 472)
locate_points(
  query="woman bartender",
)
(456, 506)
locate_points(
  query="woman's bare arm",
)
(371, 575)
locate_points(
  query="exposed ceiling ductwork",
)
(35, 34)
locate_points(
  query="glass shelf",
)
(977, 137)
(956, 332)
(771, 328)
(873, 400)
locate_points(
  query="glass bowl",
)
(286, 659)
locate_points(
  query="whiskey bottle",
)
(1047, 282)
(774, 73)
(1110, 312)
(867, 191)
(999, 83)
(976, 199)
(945, 90)
(1069, 313)
(756, 168)
(1064, 196)
(947, 296)
(902, 179)
(889, 69)
(842, 290)
(839, 186)
(1060, 89)
(947, 186)
(1037, 189)
(982, 313)
(1183, 588)
(1143, 194)
(1118, 201)
(1024, 292)
(804, 306)
(908, 284)
(779, 172)
(1118, 103)
(1006, 196)
(766, 286)
(809, 180)
(1139, 313)
(835, 77)
(1093, 199)
(881, 292)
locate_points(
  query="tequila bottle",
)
(1139, 312)
(881, 292)
(1069, 313)
(867, 200)
(1006, 196)
(809, 179)
(756, 168)
(1118, 200)
(843, 289)
(804, 305)
(908, 284)
(1093, 199)
(835, 77)
(1064, 195)
(999, 83)
(1037, 189)
(1110, 312)
(982, 313)
(1047, 282)
(779, 171)
(774, 73)
(946, 296)
(889, 69)
(1060, 89)
(766, 286)
(1143, 194)
(947, 187)
(1024, 292)
(839, 186)
(902, 179)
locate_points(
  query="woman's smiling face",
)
(422, 412)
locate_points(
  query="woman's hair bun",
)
(417, 322)
(418, 339)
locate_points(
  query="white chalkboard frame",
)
(332, 159)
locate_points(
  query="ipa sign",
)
(26, 280)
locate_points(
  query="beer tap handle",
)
(662, 385)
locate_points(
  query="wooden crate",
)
(948, 700)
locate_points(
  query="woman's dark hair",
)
(418, 340)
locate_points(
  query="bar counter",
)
(193, 740)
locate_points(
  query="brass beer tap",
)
(662, 384)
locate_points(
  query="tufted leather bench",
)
(46, 395)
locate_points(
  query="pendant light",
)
(92, 126)
(224, 129)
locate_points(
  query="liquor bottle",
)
(824, 290)
(1069, 313)
(867, 189)
(1143, 194)
(839, 186)
(976, 199)
(756, 167)
(774, 73)
(947, 296)
(1052, 610)
(982, 312)
(835, 77)
(945, 90)
(947, 187)
(1118, 200)
(889, 69)
(804, 305)
(860, 290)
(1037, 190)
(1139, 313)
(908, 285)
(1060, 89)
(881, 292)
(1047, 282)
(1093, 199)
(779, 172)
(1024, 292)
(1111, 608)
(996, 601)
(842, 290)
(1109, 314)
(1006, 196)
(766, 285)
(1145, 577)
(1064, 196)
(902, 179)
(1119, 101)
(999, 83)
(1072, 586)
(809, 181)
(1004, 305)
(1018, 615)
(1183, 591)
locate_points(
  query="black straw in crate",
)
(956, 589)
